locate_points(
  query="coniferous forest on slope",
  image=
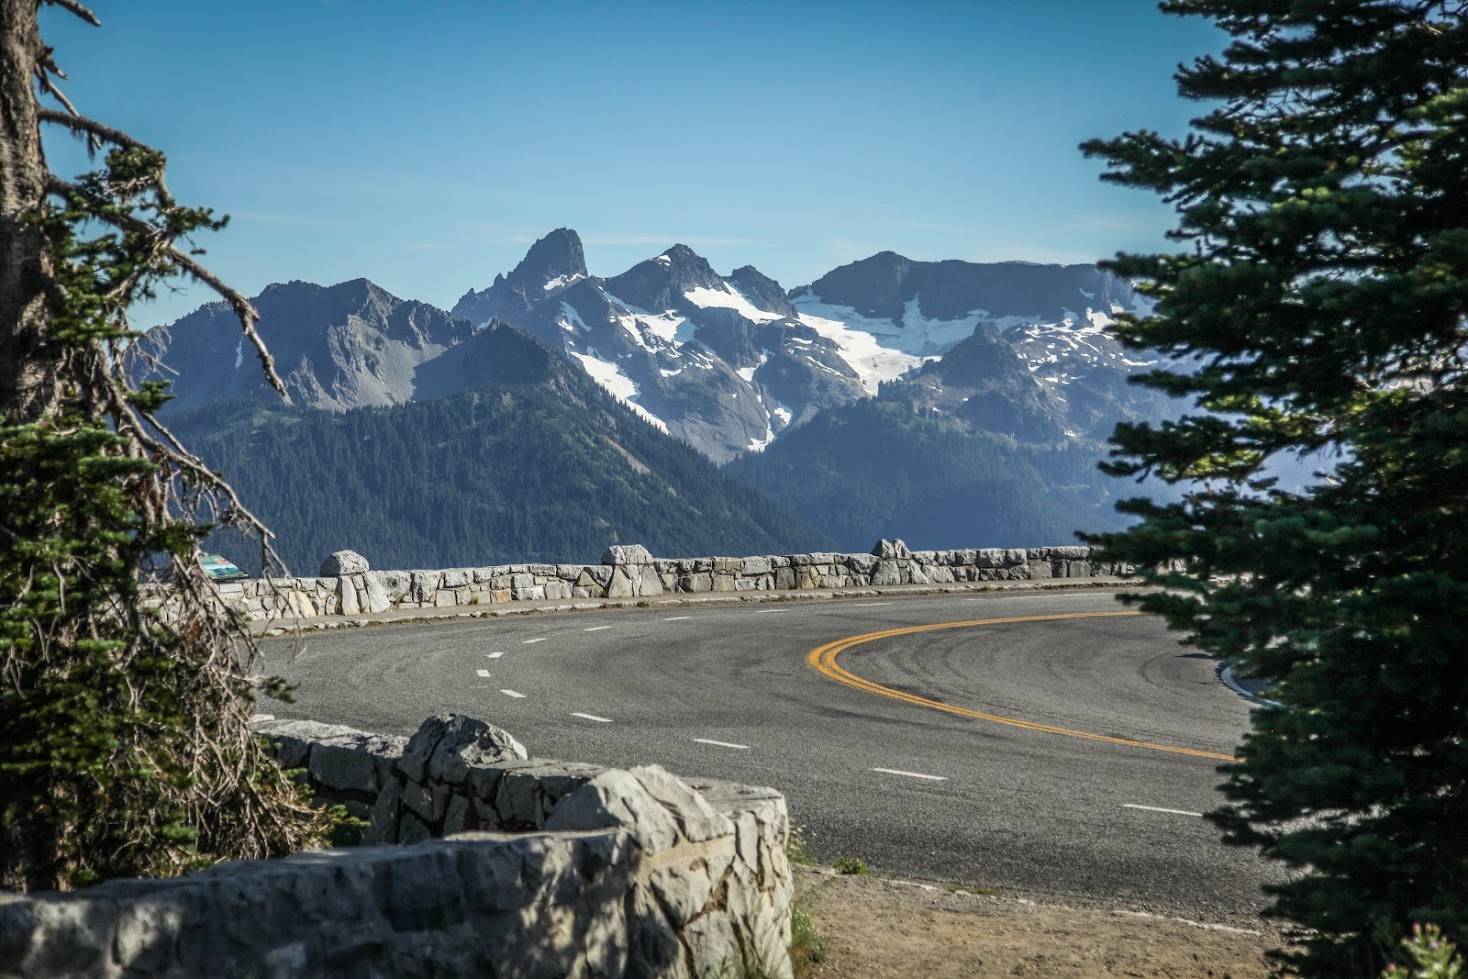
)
(508, 473)
(876, 469)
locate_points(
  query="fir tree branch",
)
(81, 125)
(244, 311)
(77, 9)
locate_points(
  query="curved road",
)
(726, 691)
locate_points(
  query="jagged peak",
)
(558, 255)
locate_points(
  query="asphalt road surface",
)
(1073, 766)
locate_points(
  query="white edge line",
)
(1175, 812)
(529, 641)
(483, 673)
(512, 693)
(677, 618)
(596, 628)
(591, 717)
(722, 744)
(868, 604)
(771, 611)
(258, 718)
(897, 771)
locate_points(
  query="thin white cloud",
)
(1016, 251)
(269, 217)
(932, 228)
(1147, 224)
(639, 238)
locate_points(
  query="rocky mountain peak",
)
(762, 290)
(661, 282)
(557, 256)
(874, 286)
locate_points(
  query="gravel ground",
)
(876, 929)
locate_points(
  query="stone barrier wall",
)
(545, 869)
(630, 572)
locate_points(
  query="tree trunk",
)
(27, 375)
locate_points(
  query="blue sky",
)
(425, 144)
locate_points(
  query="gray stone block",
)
(621, 585)
(343, 563)
(887, 572)
(651, 584)
(619, 554)
(895, 548)
(755, 565)
(615, 800)
(344, 766)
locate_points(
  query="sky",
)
(425, 144)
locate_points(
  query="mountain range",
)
(888, 397)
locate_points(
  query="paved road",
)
(726, 691)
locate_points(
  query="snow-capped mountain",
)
(889, 315)
(721, 363)
(727, 364)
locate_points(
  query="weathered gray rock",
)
(651, 585)
(617, 799)
(887, 572)
(343, 562)
(445, 746)
(891, 549)
(626, 554)
(377, 597)
(696, 820)
(755, 565)
(347, 597)
(622, 584)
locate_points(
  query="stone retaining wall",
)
(546, 869)
(629, 571)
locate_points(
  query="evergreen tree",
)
(124, 732)
(1320, 296)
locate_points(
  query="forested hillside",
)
(549, 469)
(877, 468)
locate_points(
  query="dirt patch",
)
(876, 929)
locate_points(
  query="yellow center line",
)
(823, 659)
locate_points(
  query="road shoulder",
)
(877, 928)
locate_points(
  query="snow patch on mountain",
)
(879, 349)
(667, 326)
(571, 320)
(729, 298)
(618, 385)
(562, 280)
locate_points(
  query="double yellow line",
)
(823, 659)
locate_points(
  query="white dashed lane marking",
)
(596, 628)
(529, 641)
(483, 673)
(677, 618)
(869, 604)
(898, 771)
(722, 744)
(1175, 812)
(591, 717)
(511, 693)
(771, 611)
(494, 655)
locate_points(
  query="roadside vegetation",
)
(1317, 297)
(125, 746)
